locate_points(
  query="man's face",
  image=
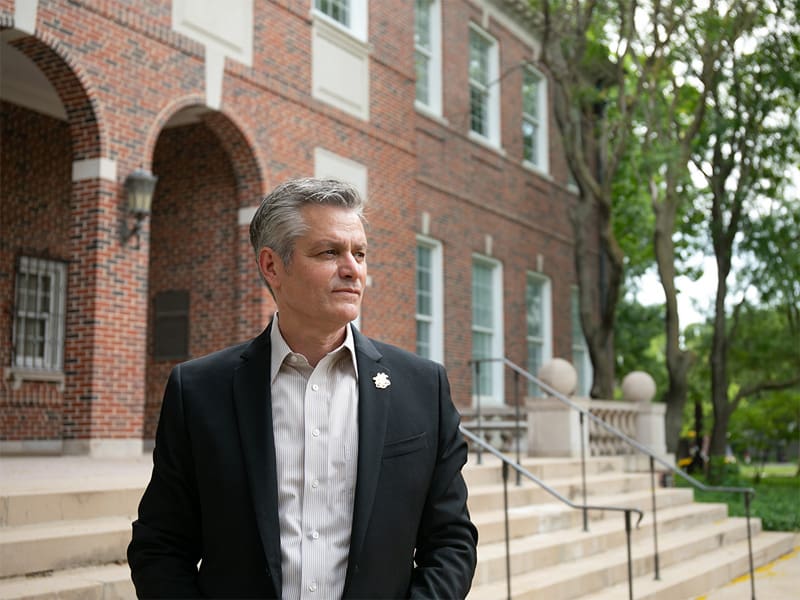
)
(320, 290)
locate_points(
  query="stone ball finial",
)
(638, 386)
(560, 375)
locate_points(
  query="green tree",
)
(747, 143)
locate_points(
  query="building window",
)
(539, 326)
(171, 325)
(484, 97)
(430, 302)
(351, 15)
(39, 314)
(427, 54)
(487, 328)
(338, 10)
(534, 119)
(580, 350)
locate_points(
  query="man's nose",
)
(348, 265)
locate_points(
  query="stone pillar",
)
(640, 388)
(553, 426)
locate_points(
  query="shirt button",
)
(315, 387)
(315, 535)
(315, 432)
(312, 587)
(315, 484)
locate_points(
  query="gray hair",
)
(278, 223)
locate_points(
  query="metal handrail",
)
(507, 462)
(747, 492)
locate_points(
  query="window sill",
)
(486, 143)
(533, 167)
(19, 374)
(344, 33)
(426, 111)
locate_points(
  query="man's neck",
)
(314, 345)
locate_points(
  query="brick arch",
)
(240, 147)
(74, 90)
(243, 153)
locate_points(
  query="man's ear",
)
(271, 267)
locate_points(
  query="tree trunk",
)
(597, 315)
(678, 360)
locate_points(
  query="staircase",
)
(553, 558)
(65, 526)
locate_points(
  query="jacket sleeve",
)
(166, 544)
(446, 543)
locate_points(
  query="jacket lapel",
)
(252, 401)
(373, 410)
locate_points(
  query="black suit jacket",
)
(213, 495)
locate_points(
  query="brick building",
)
(435, 109)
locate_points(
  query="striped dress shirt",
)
(315, 421)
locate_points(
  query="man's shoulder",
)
(395, 354)
(226, 358)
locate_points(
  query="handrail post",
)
(516, 427)
(477, 388)
(630, 561)
(655, 519)
(508, 544)
(583, 476)
(750, 546)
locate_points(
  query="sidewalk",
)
(778, 580)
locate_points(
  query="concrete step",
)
(490, 496)
(574, 578)
(490, 471)
(87, 502)
(104, 582)
(690, 579)
(553, 516)
(38, 547)
(549, 549)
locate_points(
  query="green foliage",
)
(775, 501)
(639, 341)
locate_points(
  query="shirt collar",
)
(280, 349)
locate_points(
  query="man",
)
(311, 462)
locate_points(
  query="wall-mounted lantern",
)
(139, 187)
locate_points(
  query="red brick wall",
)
(35, 163)
(122, 73)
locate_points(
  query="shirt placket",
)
(315, 467)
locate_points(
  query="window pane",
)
(535, 315)
(534, 364)
(482, 314)
(338, 10)
(478, 59)
(422, 24)
(478, 110)
(424, 339)
(482, 348)
(421, 66)
(530, 95)
(424, 281)
(530, 134)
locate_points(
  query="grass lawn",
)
(777, 499)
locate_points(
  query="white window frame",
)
(545, 340)
(358, 11)
(491, 88)
(496, 395)
(435, 319)
(583, 366)
(539, 121)
(433, 104)
(54, 317)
